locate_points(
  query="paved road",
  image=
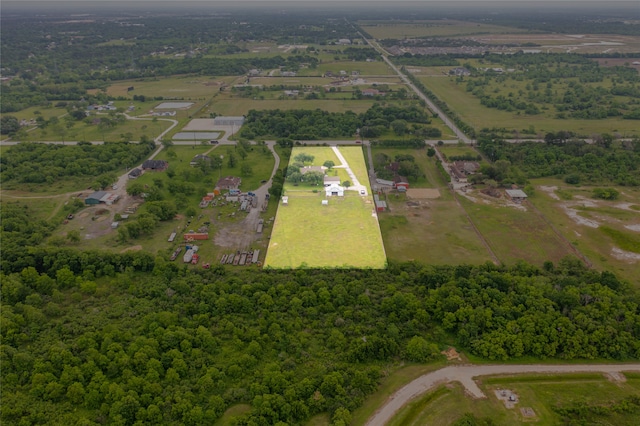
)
(465, 375)
(433, 107)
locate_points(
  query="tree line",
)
(132, 338)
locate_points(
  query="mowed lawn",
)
(344, 233)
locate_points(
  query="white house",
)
(334, 189)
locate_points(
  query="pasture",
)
(469, 108)
(588, 224)
(343, 233)
(436, 28)
(179, 87)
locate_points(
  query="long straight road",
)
(465, 374)
(433, 107)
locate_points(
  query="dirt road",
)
(465, 374)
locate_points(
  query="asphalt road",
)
(465, 374)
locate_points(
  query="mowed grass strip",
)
(344, 233)
(341, 234)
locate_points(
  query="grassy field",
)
(457, 150)
(342, 233)
(439, 28)
(188, 87)
(240, 106)
(593, 242)
(468, 107)
(434, 231)
(541, 393)
(515, 234)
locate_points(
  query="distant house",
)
(135, 173)
(461, 169)
(334, 190)
(291, 92)
(156, 165)
(200, 158)
(101, 197)
(329, 180)
(400, 183)
(307, 169)
(344, 42)
(459, 71)
(371, 92)
(229, 182)
(288, 73)
(93, 199)
(516, 195)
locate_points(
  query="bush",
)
(606, 193)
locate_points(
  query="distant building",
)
(135, 173)
(516, 195)
(459, 71)
(334, 190)
(200, 158)
(156, 165)
(228, 121)
(101, 197)
(229, 182)
(371, 92)
(344, 42)
(400, 183)
(329, 180)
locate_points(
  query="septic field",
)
(342, 233)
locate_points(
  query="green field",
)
(188, 88)
(594, 243)
(440, 28)
(470, 110)
(447, 404)
(344, 233)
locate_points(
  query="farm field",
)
(469, 108)
(344, 233)
(187, 87)
(240, 106)
(436, 28)
(540, 393)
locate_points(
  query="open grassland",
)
(469, 108)
(592, 226)
(178, 87)
(240, 106)
(434, 231)
(364, 68)
(514, 234)
(458, 150)
(445, 405)
(343, 233)
(436, 28)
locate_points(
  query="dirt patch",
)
(573, 214)
(550, 191)
(635, 227)
(132, 248)
(423, 193)
(452, 354)
(625, 255)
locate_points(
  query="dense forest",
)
(319, 124)
(46, 163)
(603, 162)
(132, 338)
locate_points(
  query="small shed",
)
(114, 225)
(325, 202)
(516, 195)
(328, 180)
(381, 205)
(400, 182)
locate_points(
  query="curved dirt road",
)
(466, 373)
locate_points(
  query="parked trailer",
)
(236, 259)
(223, 259)
(172, 237)
(243, 258)
(256, 253)
(188, 256)
(175, 253)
